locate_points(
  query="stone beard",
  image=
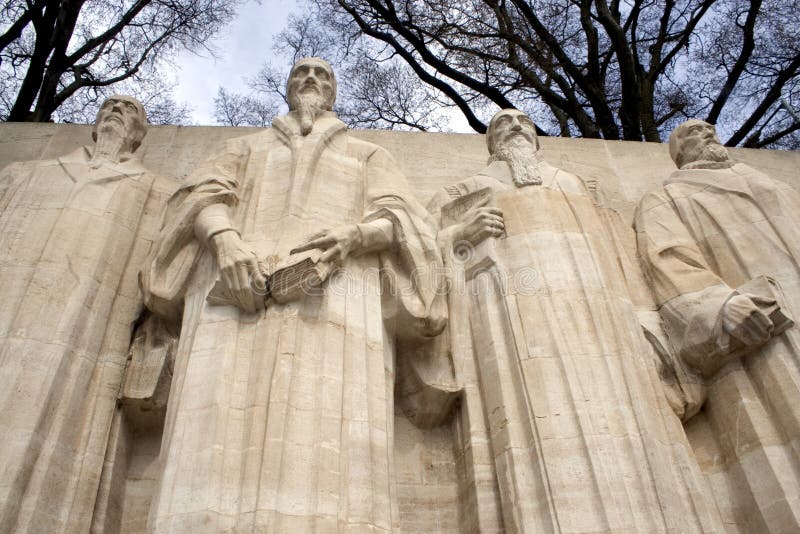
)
(711, 154)
(524, 163)
(111, 136)
(309, 105)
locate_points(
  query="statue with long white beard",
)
(281, 410)
(567, 420)
(76, 233)
(720, 246)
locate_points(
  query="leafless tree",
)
(233, 109)
(376, 91)
(57, 51)
(616, 69)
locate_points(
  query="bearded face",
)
(119, 128)
(512, 138)
(697, 141)
(310, 90)
(114, 124)
(710, 150)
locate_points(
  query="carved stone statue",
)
(281, 410)
(579, 435)
(720, 245)
(75, 233)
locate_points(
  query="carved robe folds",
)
(73, 240)
(282, 421)
(581, 438)
(707, 234)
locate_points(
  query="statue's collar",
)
(128, 163)
(708, 164)
(289, 125)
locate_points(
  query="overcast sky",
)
(241, 49)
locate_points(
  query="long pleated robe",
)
(282, 421)
(581, 437)
(705, 234)
(72, 242)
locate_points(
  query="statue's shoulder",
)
(244, 145)
(651, 200)
(760, 182)
(28, 166)
(751, 173)
(568, 182)
(363, 150)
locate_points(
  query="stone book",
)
(473, 257)
(220, 294)
(710, 364)
(454, 211)
(764, 286)
(299, 275)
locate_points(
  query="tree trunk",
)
(28, 91)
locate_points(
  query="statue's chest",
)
(289, 197)
(315, 185)
(76, 186)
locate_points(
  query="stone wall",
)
(624, 170)
(429, 491)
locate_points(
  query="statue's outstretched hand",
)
(240, 270)
(742, 319)
(337, 244)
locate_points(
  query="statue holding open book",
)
(281, 411)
